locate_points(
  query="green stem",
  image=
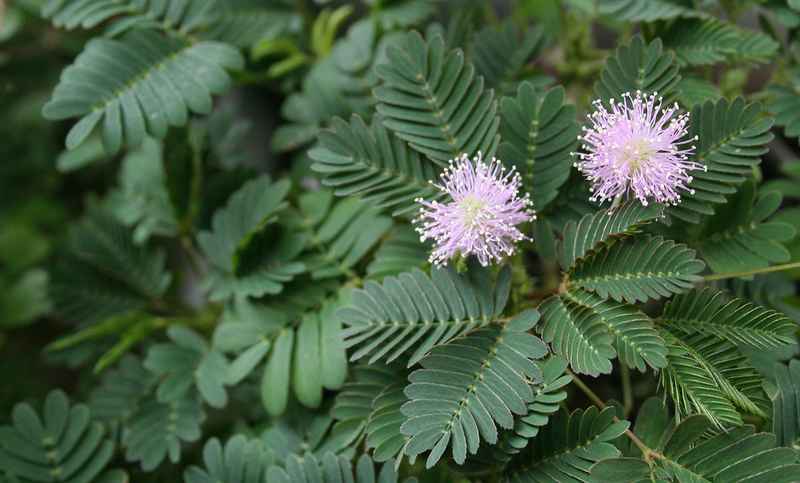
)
(747, 273)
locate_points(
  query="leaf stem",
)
(774, 268)
(647, 453)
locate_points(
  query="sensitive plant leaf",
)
(414, 312)
(469, 386)
(185, 363)
(731, 138)
(570, 445)
(62, 443)
(371, 162)
(150, 90)
(582, 236)
(501, 52)
(432, 98)
(713, 312)
(638, 269)
(239, 461)
(158, 429)
(639, 67)
(539, 132)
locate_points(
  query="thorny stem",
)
(774, 268)
(649, 454)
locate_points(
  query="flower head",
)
(482, 216)
(638, 147)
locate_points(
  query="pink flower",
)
(637, 147)
(482, 217)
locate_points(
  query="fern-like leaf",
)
(639, 66)
(180, 16)
(547, 396)
(641, 10)
(235, 243)
(414, 311)
(122, 391)
(370, 162)
(580, 237)
(731, 138)
(469, 386)
(501, 52)
(157, 430)
(638, 269)
(710, 376)
(570, 444)
(432, 98)
(239, 461)
(687, 454)
(63, 445)
(539, 133)
(739, 238)
(575, 332)
(710, 41)
(368, 407)
(155, 84)
(786, 404)
(333, 469)
(104, 273)
(400, 252)
(713, 312)
(785, 104)
(187, 362)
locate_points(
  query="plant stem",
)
(774, 268)
(627, 392)
(648, 453)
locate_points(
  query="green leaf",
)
(468, 386)
(368, 408)
(710, 376)
(104, 273)
(414, 311)
(370, 162)
(710, 41)
(785, 102)
(157, 430)
(150, 89)
(399, 252)
(638, 269)
(577, 333)
(641, 10)
(539, 133)
(500, 52)
(25, 300)
(731, 138)
(175, 15)
(786, 404)
(570, 444)
(240, 461)
(713, 312)
(547, 396)
(639, 67)
(347, 233)
(635, 338)
(64, 443)
(432, 98)
(332, 469)
(694, 90)
(186, 362)
(122, 391)
(583, 236)
(688, 453)
(250, 253)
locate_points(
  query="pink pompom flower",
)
(637, 147)
(482, 215)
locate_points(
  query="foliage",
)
(211, 267)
